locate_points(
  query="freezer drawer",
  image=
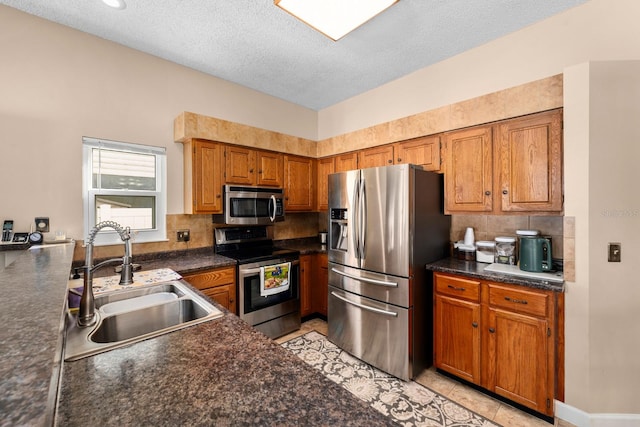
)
(374, 332)
(381, 287)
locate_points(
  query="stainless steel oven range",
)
(268, 278)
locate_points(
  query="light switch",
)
(614, 252)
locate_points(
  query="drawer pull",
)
(456, 288)
(516, 301)
(492, 330)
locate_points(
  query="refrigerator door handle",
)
(363, 217)
(365, 279)
(355, 228)
(365, 307)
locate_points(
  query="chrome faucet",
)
(87, 309)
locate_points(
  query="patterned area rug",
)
(407, 403)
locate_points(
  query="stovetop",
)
(249, 244)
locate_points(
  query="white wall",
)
(596, 30)
(58, 84)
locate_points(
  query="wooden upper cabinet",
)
(240, 165)
(270, 168)
(299, 183)
(420, 151)
(376, 156)
(469, 173)
(346, 162)
(325, 167)
(253, 167)
(529, 163)
(202, 177)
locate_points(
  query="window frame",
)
(108, 236)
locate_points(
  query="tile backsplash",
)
(488, 227)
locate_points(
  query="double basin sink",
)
(128, 316)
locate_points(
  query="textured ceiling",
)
(258, 45)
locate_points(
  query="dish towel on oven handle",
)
(274, 278)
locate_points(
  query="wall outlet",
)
(183, 236)
(42, 224)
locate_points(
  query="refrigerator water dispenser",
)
(338, 229)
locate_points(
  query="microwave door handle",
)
(272, 203)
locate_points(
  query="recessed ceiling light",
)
(116, 4)
(334, 18)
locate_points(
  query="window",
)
(125, 183)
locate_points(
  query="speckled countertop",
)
(220, 372)
(476, 269)
(34, 292)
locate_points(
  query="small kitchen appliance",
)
(535, 254)
(505, 250)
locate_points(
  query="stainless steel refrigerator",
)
(385, 224)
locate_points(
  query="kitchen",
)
(46, 109)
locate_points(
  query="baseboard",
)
(580, 418)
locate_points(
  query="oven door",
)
(256, 309)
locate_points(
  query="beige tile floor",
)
(490, 408)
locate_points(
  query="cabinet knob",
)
(505, 192)
(250, 170)
(260, 171)
(218, 196)
(487, 193)
(399, 159)
(389, 161)
(492, 330)
(474, 324)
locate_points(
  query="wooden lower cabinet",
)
(321, 296)
(314, 284)
(306, 284)
(218, 284)
(501, 337)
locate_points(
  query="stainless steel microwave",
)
(251, 206)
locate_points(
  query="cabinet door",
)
(321, 286)
(468, 176)
(219, 284)
(374, 157)
(270, 168)
(325, 167)
(306, 277)
(203, 178)
(299, 179)
(224, 295)
(240, 164)
(346, 162)
(457, 337)
(517, 359)
(529, 163)
(420, 151)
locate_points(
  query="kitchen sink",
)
(129, 316)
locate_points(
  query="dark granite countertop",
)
(476, 269)
(220, 372)
(306, 246)
(34, 292)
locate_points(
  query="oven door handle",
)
(365, 307)
(252, 271)
(365, 279)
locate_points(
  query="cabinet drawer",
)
(519, 300)
(458, 287)
(208, 279)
